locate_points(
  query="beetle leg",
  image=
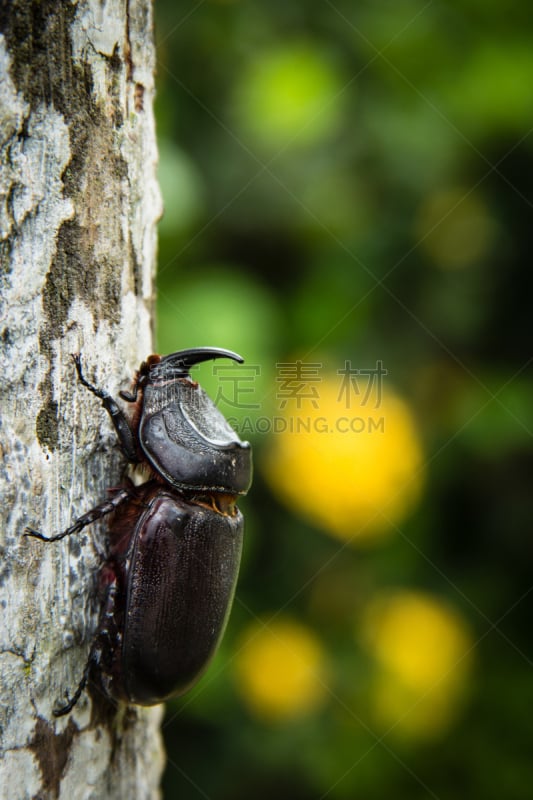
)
(118, 418)
(96, 651)
(91, 516)
(60, 711)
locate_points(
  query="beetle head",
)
(184, 436)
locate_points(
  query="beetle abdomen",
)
(181, 582)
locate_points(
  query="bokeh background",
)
(348, 188)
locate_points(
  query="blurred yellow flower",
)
(347, 469)
(422, 649)
(280, 669)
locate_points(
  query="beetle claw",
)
(36, 534)
(60, 711)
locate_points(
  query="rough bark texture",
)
(78, 206)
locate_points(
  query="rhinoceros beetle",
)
(175, 540)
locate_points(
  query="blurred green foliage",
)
(353, 181)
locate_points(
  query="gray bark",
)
(78, 207)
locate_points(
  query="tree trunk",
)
(79, 203)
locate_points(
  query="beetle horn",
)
(185, 359)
